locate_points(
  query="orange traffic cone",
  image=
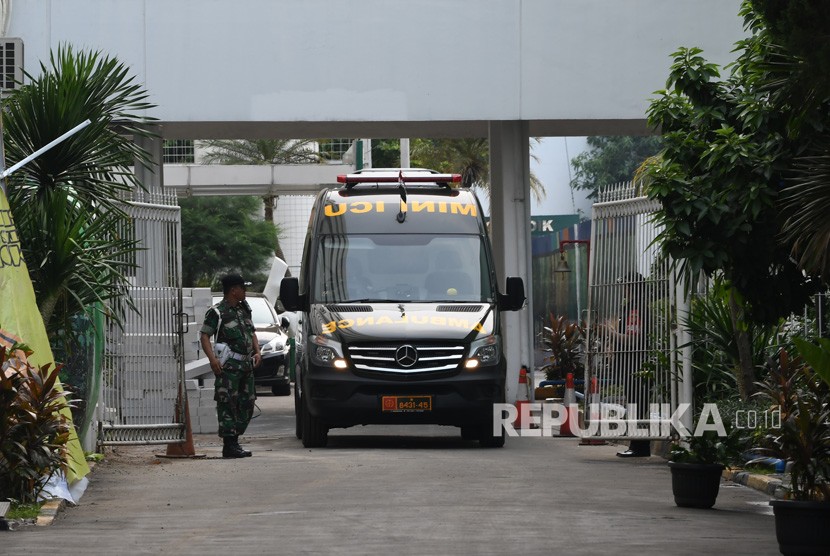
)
(568, 401)
(522, 398)
(182, 449)
(593, 408)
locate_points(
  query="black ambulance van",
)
(402, 310)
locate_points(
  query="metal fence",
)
(143, 370)
(560, 275)
(631, 308)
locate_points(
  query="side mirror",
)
(290, 295)
(285, 323)
(514, 299)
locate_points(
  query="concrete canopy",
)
(375, 68)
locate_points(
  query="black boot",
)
(637, 449)
(231, 449)
(245, 453)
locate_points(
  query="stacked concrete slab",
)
(198, 376)
(195, 302)
(202, 407)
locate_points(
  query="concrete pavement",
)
(414, 490)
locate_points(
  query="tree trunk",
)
(268, 202)
(745, 372)
(47, 309)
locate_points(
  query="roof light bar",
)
(421, 178)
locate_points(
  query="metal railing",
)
(143, 373)
(631, 311)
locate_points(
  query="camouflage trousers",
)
(235, 395)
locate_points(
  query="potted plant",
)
(800, 388)
(696, 467)
(564, 341)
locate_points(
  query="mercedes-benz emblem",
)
(406, 356)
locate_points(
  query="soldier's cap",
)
(231, 280)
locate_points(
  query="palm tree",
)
(807, 229)
(65, 203)
(263, 151)
(76, 257)
(469, 157)
(792, 72)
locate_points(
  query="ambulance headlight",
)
(483, 352)
(327, 353)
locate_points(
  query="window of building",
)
(179, 151)
(333, 149)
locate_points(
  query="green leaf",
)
(816, 355)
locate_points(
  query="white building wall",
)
(291, 215)
(570, 67)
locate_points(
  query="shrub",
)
(565, 342)
(798, 389)
(33, 434)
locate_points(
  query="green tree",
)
(801, 27)
(66, 202)
(730, 147)
(611, 160)
(263, 151)
(718, 357)
(386, 153)
(220, 235)
(468, 157)
(802, 71)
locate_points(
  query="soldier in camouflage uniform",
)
(235, 391)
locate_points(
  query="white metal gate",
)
(143, 368)
(631, 386)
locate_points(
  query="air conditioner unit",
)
(11, 63)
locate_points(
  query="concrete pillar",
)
(405, 160)
(510, 236)
(153, 177)
(684, 337)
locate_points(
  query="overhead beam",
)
(382, 130)
(264, 179)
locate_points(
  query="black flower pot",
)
(695, 485)
(801, 527)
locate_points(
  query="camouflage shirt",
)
(237, 328)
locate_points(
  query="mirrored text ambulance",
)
(402, 309)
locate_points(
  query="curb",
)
(773, 485)
(49, 511)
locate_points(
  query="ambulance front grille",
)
(407, 359)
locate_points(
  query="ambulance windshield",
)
(401, 268)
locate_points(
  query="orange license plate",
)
(406, 404)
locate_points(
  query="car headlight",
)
(277, 344)
(327, 353)
(483, 352)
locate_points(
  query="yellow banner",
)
(20, 316)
